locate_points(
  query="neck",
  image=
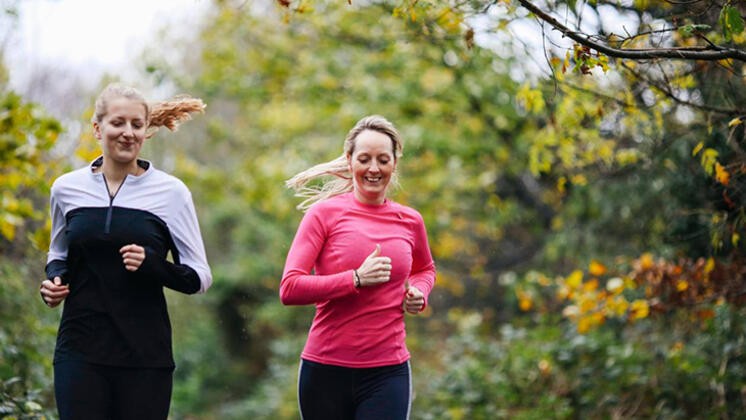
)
(116, 172)
(377, 201)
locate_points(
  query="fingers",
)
(376, 252)
(414, 300)
(132, 256)
(53, 291)
(375, 269)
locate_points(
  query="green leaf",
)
(734, 20)
(731, 22)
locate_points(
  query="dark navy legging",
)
(334, 392)
(89, 391)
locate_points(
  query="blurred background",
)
(585, 210)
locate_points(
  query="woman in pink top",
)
(363, 260)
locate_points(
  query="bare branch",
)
(667, 91)
(709, 53)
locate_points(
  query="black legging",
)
(334, 392)
(89, 391)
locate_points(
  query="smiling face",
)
(121, 130)
(372, 164)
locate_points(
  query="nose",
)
(128, 131)
(373, 166)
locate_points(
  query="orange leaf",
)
(596, 268)
(721, 174)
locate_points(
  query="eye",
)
(116, 123)
(363, 159)
(137, 124)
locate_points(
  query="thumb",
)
(57, 280)
(376, 252)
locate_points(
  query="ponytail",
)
(339, 168)
(171, 113)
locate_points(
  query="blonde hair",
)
(167, 114)
(339, 167)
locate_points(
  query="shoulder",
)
(328, 210)
(78, 177)
(406, 212)
(165, 182)
(329, 205)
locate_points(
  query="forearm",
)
(179, 277)
(298, 288)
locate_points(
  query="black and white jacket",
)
(113, 316)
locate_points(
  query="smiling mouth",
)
(373, 179)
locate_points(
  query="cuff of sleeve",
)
(351, 274)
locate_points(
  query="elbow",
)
(200, 282)
(205, 283)
(286, 295)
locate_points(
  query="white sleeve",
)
(188, 239)
(58, 242)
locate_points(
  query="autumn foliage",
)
(651, 287)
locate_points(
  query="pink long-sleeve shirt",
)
(356, 327)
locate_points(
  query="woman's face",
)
(122, 130)
(372, 163)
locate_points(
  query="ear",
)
(96, 130)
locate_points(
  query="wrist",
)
(356, 279)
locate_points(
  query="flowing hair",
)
(167, 114)
(338, 169)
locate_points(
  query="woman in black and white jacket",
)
(114, 223)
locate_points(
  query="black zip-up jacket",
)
(113, 316)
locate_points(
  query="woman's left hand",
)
(414, 300)
(132, 256)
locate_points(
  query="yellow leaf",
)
(734, 122)
(617, 306)
(584, 324)
(698, 148)
(587, 304)
(563, 292)
(596, 268)
(639, 310)
(682, 285)
(574, 279)
(709, 266)
(7, 229)
(709, 159)
(579, 179)
(590, 285)
(525, 303)
(531, 99)
(646, 261)
(561, 182)
(735, 238)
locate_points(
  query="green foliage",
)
(511, 175)
(27, 326)
(730, 21)
(546, 370)
(25, 137)
(27, 331)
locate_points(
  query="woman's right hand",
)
(375, 269)
(53, 292)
